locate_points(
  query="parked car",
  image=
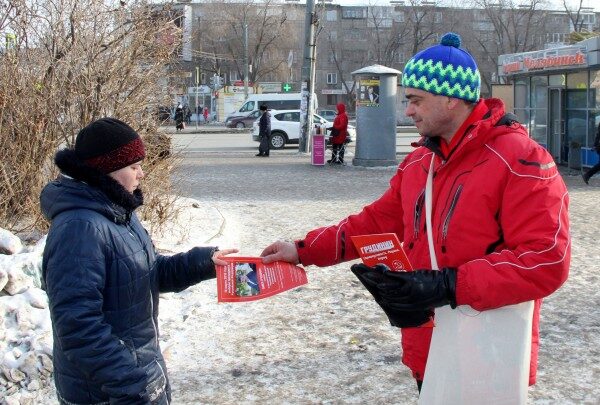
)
(285, 128)
(163, 115)
(242, 121)
(329, 115)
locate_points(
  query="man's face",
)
(129, 176)
(429, 112)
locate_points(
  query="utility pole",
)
(197, 88)
(245, 60)
(307, 86)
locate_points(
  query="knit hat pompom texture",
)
(109, 144)
(444, 69)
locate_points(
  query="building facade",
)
(352, 37)
(557, 96)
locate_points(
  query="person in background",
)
(205, 113)
(103, 275)
(264, 132)
(179, 118)
(339, 134)
(596, 168)
(188, 114)
(497, 225)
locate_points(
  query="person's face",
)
(430, 112)
(129, 176)
(370, 90)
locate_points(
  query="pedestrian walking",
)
(103, 276)
(264, 132)
(339, 134)
(478, 199)
(596, 168)
(179, 118)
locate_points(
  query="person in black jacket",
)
(596, 168)
(264, 132)
(103, 276)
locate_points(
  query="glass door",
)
(557, 122)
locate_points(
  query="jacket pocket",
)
(157, 383)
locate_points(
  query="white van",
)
(273, 101)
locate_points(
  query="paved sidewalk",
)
(327, 342)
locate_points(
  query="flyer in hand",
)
(249, 279)
(382, 248)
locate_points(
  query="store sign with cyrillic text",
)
(549, 59)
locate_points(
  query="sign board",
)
(270, 87)
(287, 87)
(318, 150)
(240, 89)
(333, 91)
(543, 60)
(201, 90)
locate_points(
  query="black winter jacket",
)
(103, 277)
(264, 125)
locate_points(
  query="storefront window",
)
(594, 99)
(539, 109)
(539, 126)
(577, 90)
(556, 80)
(522, 92)
(539, 91)
(576, 126)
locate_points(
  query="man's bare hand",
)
(280, 250)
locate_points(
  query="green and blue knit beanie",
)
(444, 69)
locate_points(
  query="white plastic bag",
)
(479, 357)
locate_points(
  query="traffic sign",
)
(287, 87)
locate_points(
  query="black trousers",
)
(263, 147)
(337, 153)
(595, 169)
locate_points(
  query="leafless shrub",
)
(64, 64)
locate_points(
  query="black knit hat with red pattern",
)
(108, 144)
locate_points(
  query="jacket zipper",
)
(417, 217)
(449, 216)
(135, 236)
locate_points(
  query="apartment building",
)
(352, 37)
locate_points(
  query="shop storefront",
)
(557, 96)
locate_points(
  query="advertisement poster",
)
(249, 279)
(367, 92)
(382, 248)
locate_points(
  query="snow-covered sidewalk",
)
(326, 342)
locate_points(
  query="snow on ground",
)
(326, 342)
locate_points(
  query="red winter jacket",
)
(341, 124)
(500, 215)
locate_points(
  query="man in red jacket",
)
(477, 199)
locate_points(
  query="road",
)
(328, 342)
(240, 141)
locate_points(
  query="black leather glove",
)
(417, 290)
(370, 277)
